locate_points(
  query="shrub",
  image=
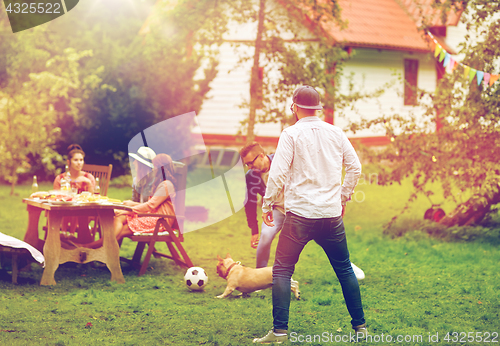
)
(412, 228)
(121, 181)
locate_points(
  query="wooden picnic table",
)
(54, 254)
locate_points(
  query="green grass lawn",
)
(414, 286)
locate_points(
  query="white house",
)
(385, 42)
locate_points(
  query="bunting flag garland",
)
(472, 73)
(446, 60)
(437, 50)
(466, 70)
(493, 78)
(479, 75)
(442, 55)
(488, 79)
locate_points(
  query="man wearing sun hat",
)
(143, 164)
(309, 157)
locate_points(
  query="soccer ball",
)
(196, 278)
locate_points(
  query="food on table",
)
(39, 194)
(51, 196)
(87, 198)
(84, 197)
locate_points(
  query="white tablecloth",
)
(7, 240)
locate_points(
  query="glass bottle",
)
(64, 180)
(97, 189)
(34, 186)
(68, 179)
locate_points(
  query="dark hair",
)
(74, 149)
(254, 146)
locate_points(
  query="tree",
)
(463, 155)
(154, 75)
(28, 109)
(281, 46)
(145, 78)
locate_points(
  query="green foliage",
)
(121, 181)
(146, 55)
(420, 229)
(463, 154)
(28, 110)
(121, 80)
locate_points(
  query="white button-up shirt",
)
(309, 158)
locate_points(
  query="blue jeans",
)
(330, 235)
(267, 235)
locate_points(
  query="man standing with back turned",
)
(309, 157)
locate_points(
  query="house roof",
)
(380, 24)
(383, 24)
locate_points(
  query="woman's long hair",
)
(163, 170)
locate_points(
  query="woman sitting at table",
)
(161, 201)
(79, 179)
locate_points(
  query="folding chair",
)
(104, 175)
(172, 236)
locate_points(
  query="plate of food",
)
(40, 195)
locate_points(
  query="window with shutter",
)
(411, 73)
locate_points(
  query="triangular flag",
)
(451, 65)
(442, 55)
(486, 79)
(493, 78)
(480, 75)
(446, 59)
(472, 73)
(437, 50)
(466, 70)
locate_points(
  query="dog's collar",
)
(229, 269)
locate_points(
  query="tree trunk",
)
(12, 186)
(470, 212)
(255, 84)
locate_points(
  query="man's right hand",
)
(254, 241)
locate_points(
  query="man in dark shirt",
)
(256, 179)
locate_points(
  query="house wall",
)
(369, 69)
(373, 69)
(223, 111)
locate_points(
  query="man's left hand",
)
(343, 211)
(268, 218)
(254, 241)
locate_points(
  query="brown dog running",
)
(245, 279)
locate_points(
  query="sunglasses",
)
(248, 164)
